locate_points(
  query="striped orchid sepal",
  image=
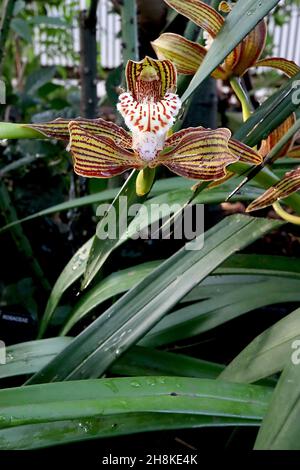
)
(269, 143)
(59, 129)
(150, 105)
(188, 55)
(290, 69)
(288, 185)
(294, 152)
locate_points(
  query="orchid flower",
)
(149, 107)
(188, 55)
(289, 184)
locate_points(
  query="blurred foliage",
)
(37, 172)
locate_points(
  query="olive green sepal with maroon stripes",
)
(59, 129)
(288, 185)
(99, 156)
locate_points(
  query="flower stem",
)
(144, 181)
(18, 131)
(242, 96)
(293, 219)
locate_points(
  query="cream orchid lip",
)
(149, 121)
(149, 108)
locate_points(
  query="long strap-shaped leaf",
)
(261, 264)
(243, 18)
(281, 427)
(225, 297)
(270, 114)
(113, 285)
(51, 433)
(40, 415)
(267, 353)
(123, 324)
(107, 195)
(71, 272)
(100, 248)
(76, 266)
(203, 316)
(31, 356)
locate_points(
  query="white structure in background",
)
(108, 33)
(286, 37)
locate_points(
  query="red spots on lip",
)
(161, 120)
(149, 118)
(138, 120)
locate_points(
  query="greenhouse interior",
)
(149, 226)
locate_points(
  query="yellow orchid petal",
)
(244, 153)
(190, 132)
(160, 75)
(294, 152)
(288, 185)
(241, 151)
(200, 13)
(176, 137)
(248, 51)
(200, 155)
(287, 66)
(275, 136)
(232, 60)
(98, 156)
(186, 55)
(59, 129)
